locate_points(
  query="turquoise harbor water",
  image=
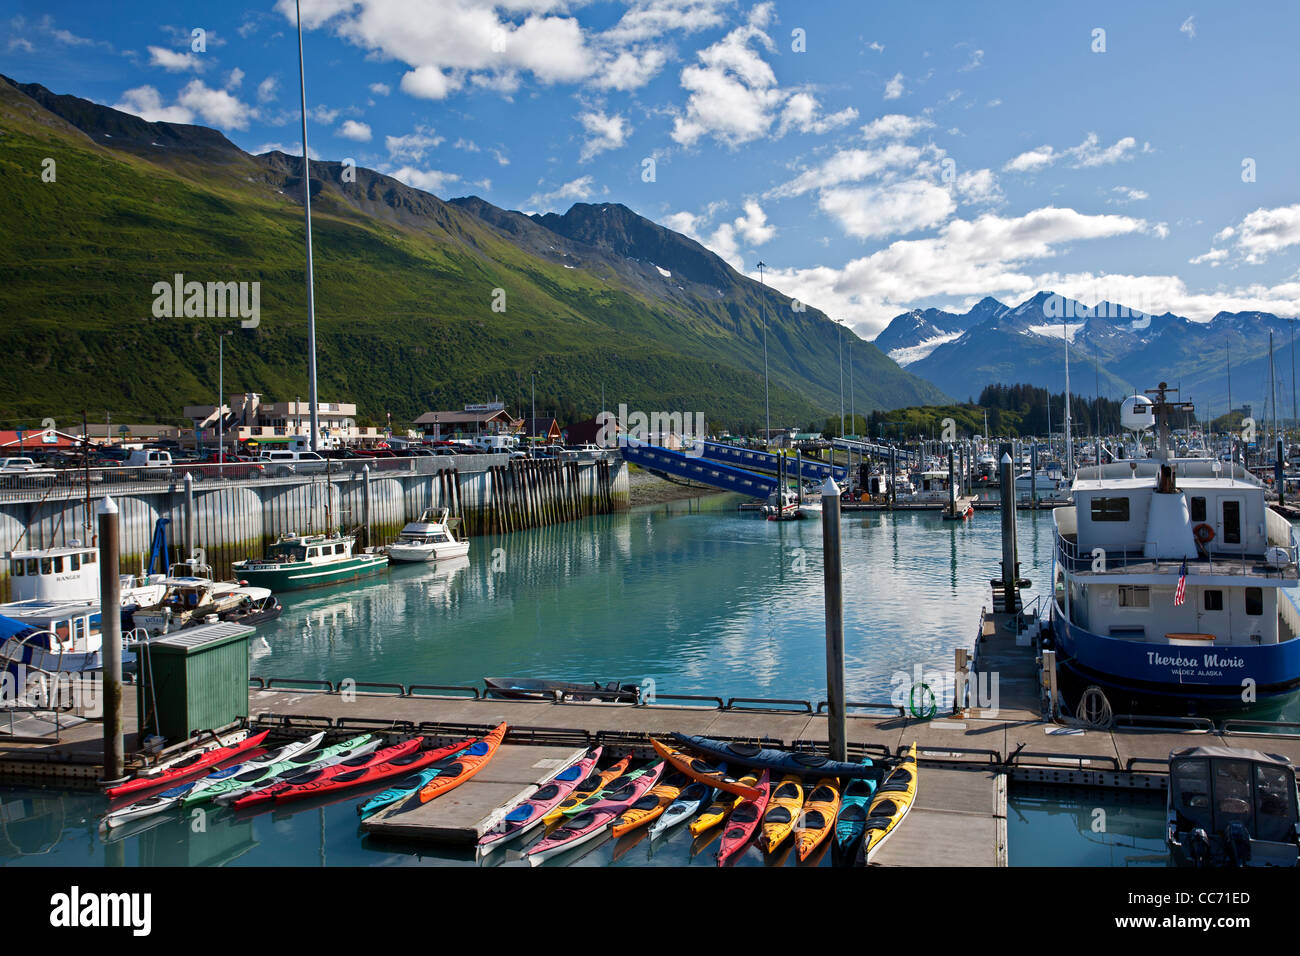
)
(691, 595)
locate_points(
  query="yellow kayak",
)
(720, 807)
(893, 799)
(782, 812)
(650, 806)
(817, 821)
(592, 785)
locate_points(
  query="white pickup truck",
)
(283, 463)
(23, 471)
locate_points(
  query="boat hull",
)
(1178, 672)
(296, 576)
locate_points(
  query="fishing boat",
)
(1229, 807)
(783, 505)
(1175, 583)
(191, 596)
(432, 538)
(311, 560)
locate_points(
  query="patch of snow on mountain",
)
(664, 272)
(914, 353)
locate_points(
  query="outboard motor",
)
(1198, 847)
(1237, 837)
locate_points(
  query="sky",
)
(876, 157)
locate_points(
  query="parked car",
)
(284, 463)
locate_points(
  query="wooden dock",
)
(966, 761)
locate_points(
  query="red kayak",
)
(313, 778)
(744, 821)
(187, 767)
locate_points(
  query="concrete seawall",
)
(235, 519)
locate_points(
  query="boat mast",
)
(306, 206)
(1069, 445)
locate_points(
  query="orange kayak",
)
(460, 768)
(651, 806)
(818, 818)
(704, 771)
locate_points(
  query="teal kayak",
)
(263, 775)
(851, 823)
(407, 785)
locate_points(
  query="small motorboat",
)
(527, 688)
(432, 538)
(1230, 807)
(192, 596)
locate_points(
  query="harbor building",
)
(249, 419)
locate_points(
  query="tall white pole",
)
(767, 404)
(221, 390)
(1069, 444)
(839, 338)
(306, 205)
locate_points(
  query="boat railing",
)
(1100, 559)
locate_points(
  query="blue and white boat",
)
(1174, 580)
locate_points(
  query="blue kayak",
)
(411, 784)
(798, 762)
(852, 820)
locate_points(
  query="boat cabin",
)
(54, 574)
(311, 548)
(1232, 807)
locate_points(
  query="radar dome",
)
(1135, 414)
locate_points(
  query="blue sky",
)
(878, 157)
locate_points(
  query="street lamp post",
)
(221, 407)
(767, 404)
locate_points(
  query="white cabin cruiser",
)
(191, 597)
(432, 538)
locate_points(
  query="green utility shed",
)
(194, 679)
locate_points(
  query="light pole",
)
(767, 404)
(306, 205)
(221, 406)
(839, 338)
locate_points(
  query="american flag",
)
(1181, 594)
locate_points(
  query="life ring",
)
(1203, 533)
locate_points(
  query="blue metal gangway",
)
(698, 468)
(734, 454)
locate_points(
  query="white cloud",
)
(1089, 153)
(630, 69)
(978, 186)
(981, 256)
(894, 88)
(430, 180)
(429, 83)
(413, 145)
(353, 130)
(1127, 194)
(234, 78)
(975, 62)
(750, 228)
(1189, 28)
(380, 89)
(174, 62)
(576, 189)
(876, 46)
(146, 103)
(753, 225)
(867, 212)
(850, 165)
(651, 19)
(216, 106)
(605, 133)
(733, 95)
(323, 114)
(1214, 257)
(1264, 232)
(895, 126)
(266, 90)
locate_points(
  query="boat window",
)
(1134, 596)
(74, 562)
(16, 568)
(1214, 600)
(1110, 509)
(58, 564)
(1233, 800)
(89, 558)
(1254, 601)
(1275, 808)
(1232, 522)
(33, 566)
(338, 549)
(313, 552)
(1191, 783)
(1198, 508)
(47, 565)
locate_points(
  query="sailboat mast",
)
(1069, 445)
(306, 206)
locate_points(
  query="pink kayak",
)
(591, 822)
(744, 821)
(540, 802)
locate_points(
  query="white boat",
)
(1042, 481)
(432, 538)
(191, 596)
(783, 505)
(932, 487)
(71, 573)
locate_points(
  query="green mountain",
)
(405, 285)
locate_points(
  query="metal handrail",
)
(1266, 726)
(412, 688)
(327, 684)
(866, 705)
(705, 698)
(359, 684)
(1015, 758)
(731, 704)
(1160, 721)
